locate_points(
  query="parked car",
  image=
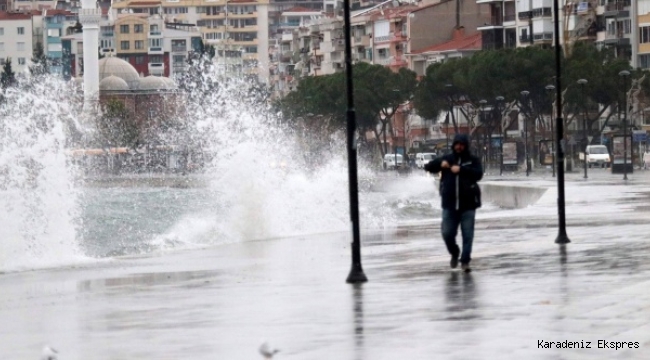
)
(597, 155)
(391, 161)
(422, 159)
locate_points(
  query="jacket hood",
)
(463, 139)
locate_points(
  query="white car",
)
(422, 159)
(597, 155)
(391, 161)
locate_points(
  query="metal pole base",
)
(562, 238)
(356, 275)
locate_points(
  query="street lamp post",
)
(356, 274)
(499, 100)
(562, 237)
(525, 94)
(482, 119)
(582, 83)
(550, 89)
(449, 113)
(624, 74)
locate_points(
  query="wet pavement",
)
(221, 302)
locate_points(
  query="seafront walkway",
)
(525, 296)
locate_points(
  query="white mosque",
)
(110, 75)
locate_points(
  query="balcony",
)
(617, 9)
(397, 61)
(524, 15)
(509, 17)
(616, 38)
(156, 69)
(546, 36)
(398, 36)
(542, 12)
(107, 34)
(495, 22)
(379, 39)
(179, 48)
(524, 39)
(382, 61)
(156, 50)
(155, 34)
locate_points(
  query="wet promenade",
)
(221, 302)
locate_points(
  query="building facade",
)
(17, 38)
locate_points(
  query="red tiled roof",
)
(17, 15)
(459, 42)
(52, 12)
(142, 3)
(300, 9)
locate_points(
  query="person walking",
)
(461, 196)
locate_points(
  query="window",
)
(54, 47)
(80, 48)
(644, 61)
(20, 46)
(2, 31)
(153, 28)
(644, 34)
(138, 28)
(154, 43)
(21, 31)
(139, 60)
(124, 29)
(178, 60)
(124, 45)
(54, 32)
(21, 61)
(153, 59)
(139, 44)
(2, 61)
(179, 46)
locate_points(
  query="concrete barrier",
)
(510, 195)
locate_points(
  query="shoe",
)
(465, 268)
(454, 262)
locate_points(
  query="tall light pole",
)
(525, 94)
(499, 100)
(356, 272)
(582, 83)
(625, 75)
(482, 104)
(550, 89)
(562, 237)
(449, 112)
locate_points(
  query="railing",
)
(617, 6)
(182, 48)
(541, 12)
(494, 21)
(524, 15)
(382, 38)
(543, 36)
(524, 38)
(397, 36)
(108, 34)
(155, 49)
(382, 61)
(155, 33)
(510, 17)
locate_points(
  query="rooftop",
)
(458, 42)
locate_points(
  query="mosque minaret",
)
(89, 16)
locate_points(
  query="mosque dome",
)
(171, 84)
(113, 83)
(155, 83)
(113, 66)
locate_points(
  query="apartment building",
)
(17, 38)
(143, 41)
(56, 24)
(239, 29)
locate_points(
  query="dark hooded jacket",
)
(459, 191)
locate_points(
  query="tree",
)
(8, 77)
(116, 126)
(39, 64)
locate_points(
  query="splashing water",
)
(263, 182)
(37, 200)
